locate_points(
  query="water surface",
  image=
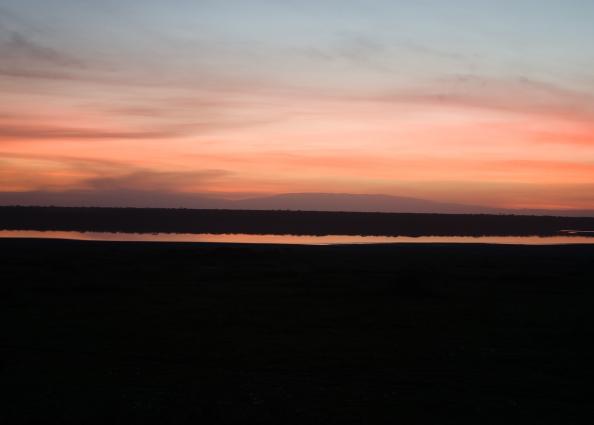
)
(293, 239)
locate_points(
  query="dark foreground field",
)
(124, 333)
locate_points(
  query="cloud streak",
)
(159, 181)
(58, 173)
(20, 47)
(36, 133)
(515, 95)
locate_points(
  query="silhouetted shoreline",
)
(141, 220)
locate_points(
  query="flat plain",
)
(101, 332)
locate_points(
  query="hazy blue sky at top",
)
(319, 43)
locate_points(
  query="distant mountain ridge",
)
(356, 203)
(288, 201)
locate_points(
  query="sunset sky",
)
(469, 101)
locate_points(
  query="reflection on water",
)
(292, 239)
(578, 232)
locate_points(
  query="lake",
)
(294, 239)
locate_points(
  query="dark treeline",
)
(282, 222)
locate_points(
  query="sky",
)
(467, 101)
